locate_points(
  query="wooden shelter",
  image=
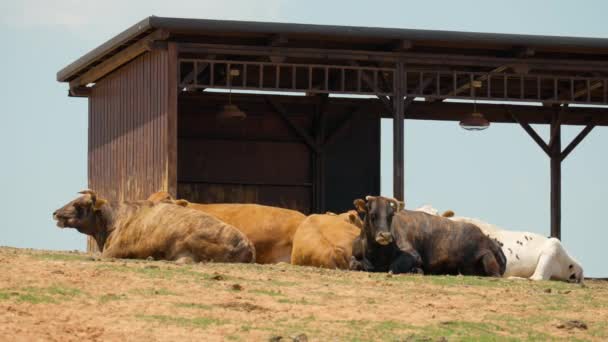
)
(154, 104)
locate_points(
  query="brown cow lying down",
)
(326, 240)
(403, 241)
(142, 229)
(270, 229)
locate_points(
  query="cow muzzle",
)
(384, 238)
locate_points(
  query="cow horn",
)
(90, 193)
(368, 198)
(448, 213)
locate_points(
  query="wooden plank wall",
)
(261, 160)
(130, 114)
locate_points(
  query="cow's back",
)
(522, 249)
(445, 246)
(169, 231)
(324, 241)
(271, 229)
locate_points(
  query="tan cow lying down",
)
(326, 240)
(270, 229)
(143, 229)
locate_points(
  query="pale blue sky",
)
(499, 175)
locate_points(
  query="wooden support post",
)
(556, 177)
(172, 117)
(554, 151)
(398, 135)
(318, 161)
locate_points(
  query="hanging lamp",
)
(475, 121)
(230, 112)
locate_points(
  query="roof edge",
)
(67, 72)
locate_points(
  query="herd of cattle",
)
(379, 236)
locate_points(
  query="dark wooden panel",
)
(129, 126)
(262, 160)
(290, 197)
(352, 163)
(243, 161)
(198, 118)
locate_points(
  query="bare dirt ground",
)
(64, 296)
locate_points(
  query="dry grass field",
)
(69, 296)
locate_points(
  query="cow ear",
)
(99, 203)
(90, 193)
(360, 205)
(182, 202)
(448, 213)
(400, 205)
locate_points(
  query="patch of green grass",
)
(35, 298)
(194, 306)
(62, 257)
(64, 291)
(110, 297)
(301, 301)
(37, 295)
(365, 330)
(197, 322)
(160, 272)
(524, 326)
(267, 292)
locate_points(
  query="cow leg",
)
(404, 263)
(548, 260)
(184, 259)
(490, 265)
(360, 265)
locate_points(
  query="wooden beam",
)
(171, 113)
(556, 178)
(401, 45)
(541, 143)
(319, 163)
(482, 78)
(279, 109)
(191, 77)
(79, 92)
(406, 57)
(385, 100)
(577, 140)
(398, 134)
(585, 90)
(278, 40)
(118, 59)
(559, 115)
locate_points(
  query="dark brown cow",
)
(402, 241)
(142, 229)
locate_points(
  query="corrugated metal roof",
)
(335, 33)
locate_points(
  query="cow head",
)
(165, 197)
(575, 272)
(378, 215)
(82, 213)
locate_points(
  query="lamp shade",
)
(231, 112)
(474, 122)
